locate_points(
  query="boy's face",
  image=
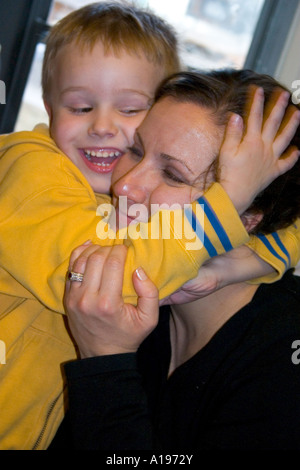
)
(97, 101)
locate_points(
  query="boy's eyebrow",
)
(72, 89)
(126, 90)
(139, 92)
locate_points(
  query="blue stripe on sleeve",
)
(216, 224)
(282, 247)
(271, 249)
(199, 231)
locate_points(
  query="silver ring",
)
(74, 276)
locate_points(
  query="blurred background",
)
(213, 33)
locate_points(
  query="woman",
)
(215, 373)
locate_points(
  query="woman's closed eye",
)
(170, 175)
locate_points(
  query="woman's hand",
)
(250, 161)
(100, 322)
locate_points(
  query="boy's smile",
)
(100, 160)
(97, 101)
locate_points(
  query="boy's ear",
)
(250, 220)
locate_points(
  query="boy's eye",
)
(133, 112)
(80, 110)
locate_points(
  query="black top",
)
(241, 391)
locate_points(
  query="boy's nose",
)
(103, 125)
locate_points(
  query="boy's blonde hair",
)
(119, 27)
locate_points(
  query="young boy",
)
(102, 66)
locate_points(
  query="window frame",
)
(25, 27)
(270, 36)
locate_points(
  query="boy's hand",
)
(239, 265)
(204, 284)
(250, 162)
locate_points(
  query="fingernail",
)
(88, 242)
(141, 274)
(286, 95)
(236, 119)
(260, 91)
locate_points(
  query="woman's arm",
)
(100, 321)
(108, 407)
(107, 403)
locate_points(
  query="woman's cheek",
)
(122, 167)
(172, 196)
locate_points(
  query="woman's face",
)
(168, 163)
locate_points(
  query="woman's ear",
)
(250, 220)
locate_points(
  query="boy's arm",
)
(46, 210)
(281, 250)
(206, 228)
(261, 260)
(245, 161)
(46, 213)
(239, 265)
(39, 231)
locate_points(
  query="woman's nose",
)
(135, 185)
(103, 124)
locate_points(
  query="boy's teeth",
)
(101, 154)
(102, 164)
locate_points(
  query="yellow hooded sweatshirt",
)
(47, 208)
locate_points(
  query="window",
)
(213, 34)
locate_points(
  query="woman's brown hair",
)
(228, 91)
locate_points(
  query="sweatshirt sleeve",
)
(47, 209)
(174, 244)
(280, 249)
